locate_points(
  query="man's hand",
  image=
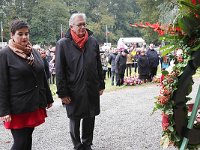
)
(6, 118)
(101, 92)
(66, 100)
(49, 105)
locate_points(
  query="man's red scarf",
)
(80, 41)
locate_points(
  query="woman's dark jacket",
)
(23, 88)
(120, 64)
(79, 76)
(143, 65)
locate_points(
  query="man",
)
(79, 79)
(104, 63)
(111, 60)
(120, 67)
(153, 61)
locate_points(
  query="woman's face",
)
(21, 36)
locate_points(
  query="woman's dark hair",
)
(18, 24)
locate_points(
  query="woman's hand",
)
(6, 118)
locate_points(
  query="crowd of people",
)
(132, 61)
(140, 62)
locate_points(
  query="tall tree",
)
(149, 12)
(47, 17)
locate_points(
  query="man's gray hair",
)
(71, 20)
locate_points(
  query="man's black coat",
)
(79, 76)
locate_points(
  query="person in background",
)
(129, 64)
(79, 79)
(135, 63)
(104, 63)
(109, 67)
(153, 60)
(24, 91)
(52, 70)
(111, 61)
(143, 67)
(165, 62)
(46, 64)
(120, 66)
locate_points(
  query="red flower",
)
(195, 2)
(180, 59)
(196, 15)
(165, 121)
(163, 99)
(190, 107)
(161, 32)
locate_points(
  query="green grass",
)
(110, 88)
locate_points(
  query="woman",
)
(137, 55)
(24, 92)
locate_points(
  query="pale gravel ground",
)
(125, 123)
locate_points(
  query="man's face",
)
(79, 26)
(124, 54)
(151, 46)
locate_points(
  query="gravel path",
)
(125, 123)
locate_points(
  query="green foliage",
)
(46, 21)
(149, 12)
(45, 17)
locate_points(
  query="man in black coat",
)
(79, 79)
(120, 66)
(153, 61)
(111, 61)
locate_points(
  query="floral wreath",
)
(176, 81)
(176, 85)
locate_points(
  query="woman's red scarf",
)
(80, 41)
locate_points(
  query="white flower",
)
(170, 68)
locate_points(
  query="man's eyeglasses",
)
(81, 25)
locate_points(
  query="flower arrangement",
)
(184, 39)
(132, 81)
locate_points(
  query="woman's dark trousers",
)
(22, 138)
(87, 132)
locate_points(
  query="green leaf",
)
(167, 51)
(166, 47)
(191, 6)
(176, 138)
(196, 48)
(165, 141)
(171, 128)
(185, 25)
(165, 72)
(154, 110)
(169, 111)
